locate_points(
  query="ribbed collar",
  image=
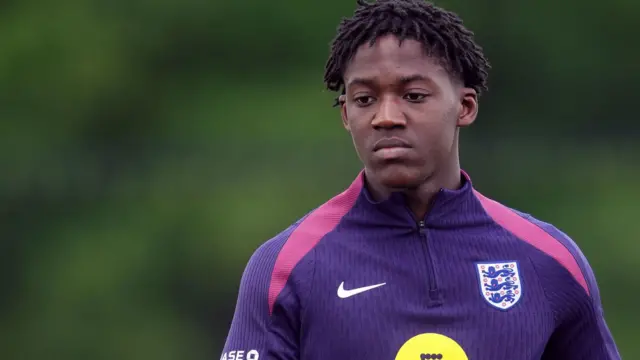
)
(449, 208)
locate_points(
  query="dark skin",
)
(404, 112)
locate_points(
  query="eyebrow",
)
(403, 80)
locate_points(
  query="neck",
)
(419, 198)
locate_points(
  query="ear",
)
(342, 100)
(468, 107)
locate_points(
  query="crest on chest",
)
(500, 283)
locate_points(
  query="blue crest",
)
(500, 283)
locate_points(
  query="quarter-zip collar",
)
(449, 208)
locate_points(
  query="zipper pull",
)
(421, 226)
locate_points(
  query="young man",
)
(411, 262)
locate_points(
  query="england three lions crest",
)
(500, 283)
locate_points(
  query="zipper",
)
(434, 292)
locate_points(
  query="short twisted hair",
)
(441, 33)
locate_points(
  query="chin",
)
(399, 177)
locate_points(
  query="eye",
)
(415, 97)
(363, 100)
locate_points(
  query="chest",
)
(417, 298)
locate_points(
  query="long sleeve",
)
(260, 329)
(583, 333)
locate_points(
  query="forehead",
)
(390, 58)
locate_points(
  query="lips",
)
(389, 143)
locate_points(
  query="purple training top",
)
(358, 279)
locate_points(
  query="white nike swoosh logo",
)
(343, 294)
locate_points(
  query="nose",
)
(389, 115)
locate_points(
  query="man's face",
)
(403, 111)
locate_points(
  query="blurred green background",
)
(148, 148)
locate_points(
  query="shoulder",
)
(285, 262)
(264, 257)
(256, 278)
(554, 246)
(554, 243)
(268, 251)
